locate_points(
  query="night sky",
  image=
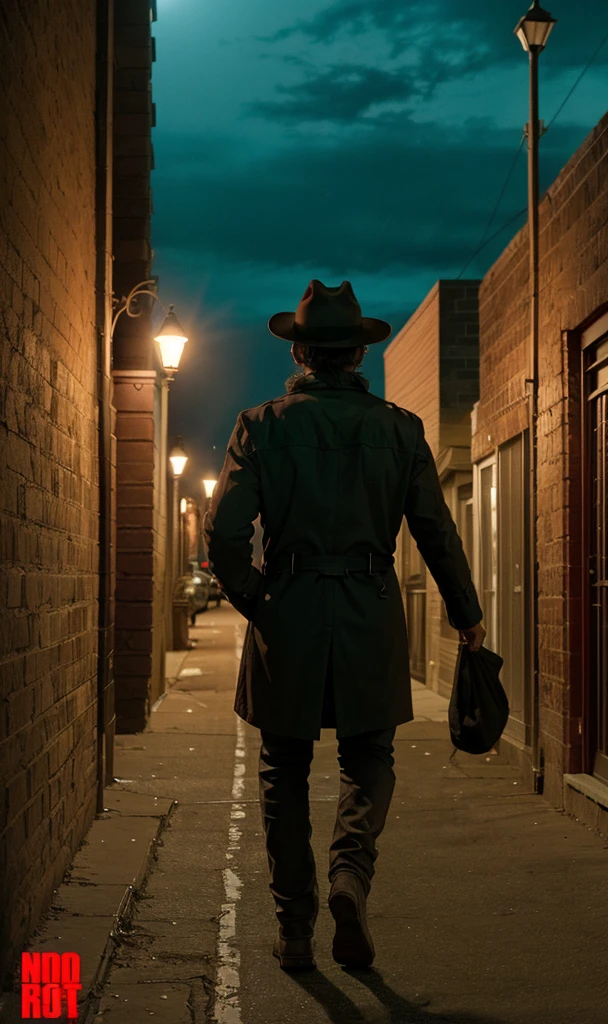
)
(365, 140)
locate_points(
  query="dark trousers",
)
(367, 781)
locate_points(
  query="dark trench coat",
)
(331, 469)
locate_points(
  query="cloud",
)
(440, 41)
(435, 24)
(342, 93)
(414, 199)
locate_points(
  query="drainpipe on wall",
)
(103, 318)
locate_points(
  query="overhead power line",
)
(484, 240)
(583, 72)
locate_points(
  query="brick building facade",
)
(559, 733)
(140, 392)
(571, 481)
(60, 595)
(432, 368)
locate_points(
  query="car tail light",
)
(204, 565)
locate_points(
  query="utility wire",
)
(583, 72)
(492, 237)
(485, 241)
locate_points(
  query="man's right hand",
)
(474, 636)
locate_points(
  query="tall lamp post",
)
(533, 30)
(178, 460)
(209, 483)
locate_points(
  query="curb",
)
(90, 1003)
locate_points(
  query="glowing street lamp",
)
(178, 458)
(171, 338)
(209, 486)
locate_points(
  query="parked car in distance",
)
(194, 587)
(215, 592)
(202, 592)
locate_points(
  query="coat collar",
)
(322, 379)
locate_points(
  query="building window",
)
(415, 605)
(595, 364)
(511, 632)
(487, 554)
(460, 501)
(464, 520)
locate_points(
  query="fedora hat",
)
(329, 317)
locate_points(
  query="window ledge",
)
(590, 787)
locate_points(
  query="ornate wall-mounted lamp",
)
(171, 336)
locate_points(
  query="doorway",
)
(595, 503)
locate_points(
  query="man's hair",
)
(317, 357)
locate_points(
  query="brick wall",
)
(459, 360)
(140, 396)
(573, 287)
(431, 368)
(411, 366)
(48, 451)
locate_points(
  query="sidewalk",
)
(488, 907)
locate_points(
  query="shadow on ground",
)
(395, 1009)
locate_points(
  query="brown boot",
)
(294, 954)
(352, 945)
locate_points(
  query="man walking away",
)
(332, 470)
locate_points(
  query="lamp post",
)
(533, 30)
(183, 508)
(171, 339)
(178, 460)
(209, 483)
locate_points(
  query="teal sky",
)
(338, 140)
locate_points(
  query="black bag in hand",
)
(479, 708)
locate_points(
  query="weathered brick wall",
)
(431, 367)
(573, 286)
(411, 366)
(48, 448)
(141, 432)
(459, 359)
(411, 376)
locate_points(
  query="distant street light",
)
(209, 485)
(178, 458)
(533, 30)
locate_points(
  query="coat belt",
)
(327, 565)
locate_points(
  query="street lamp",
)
(178, 460)
(209, 485)
(533, 30)
(171, 336)
(171, 339)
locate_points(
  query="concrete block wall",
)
(48, 452)
(573, 288)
